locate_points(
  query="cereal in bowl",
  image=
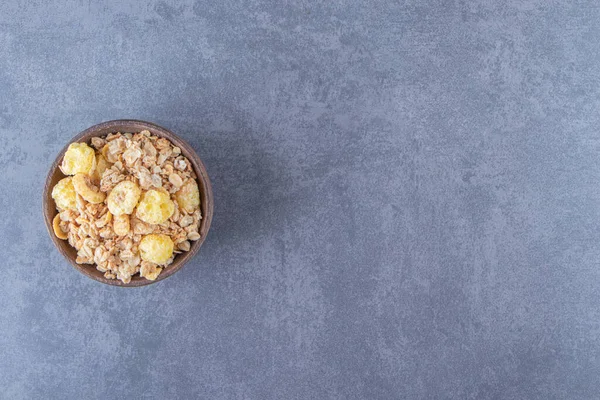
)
(129, 204)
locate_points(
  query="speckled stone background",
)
(407, 199)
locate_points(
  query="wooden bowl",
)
(206, 199)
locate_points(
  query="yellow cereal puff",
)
(188, 197)
(156, 248)
(123, 198)
(85, 188)
(155, 206)
(78, 158)
(64, 194)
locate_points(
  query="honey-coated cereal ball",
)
(155, 206)
(188, 197)
(64, 194)
(79, 158)
(156, 248)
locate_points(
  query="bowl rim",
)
(206, 198)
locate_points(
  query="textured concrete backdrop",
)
(407, 199)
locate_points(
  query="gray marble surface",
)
(407, 199)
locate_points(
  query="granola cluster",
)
(129, 204)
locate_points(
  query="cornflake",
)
(132, 205)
